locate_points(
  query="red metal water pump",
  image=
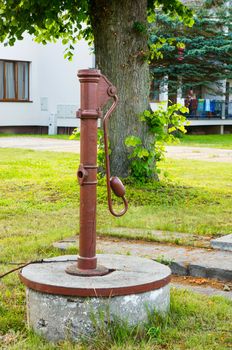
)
(96, 91)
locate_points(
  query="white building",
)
(205, 122)
(39, 89)
(210, 119)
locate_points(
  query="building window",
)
(14, 81)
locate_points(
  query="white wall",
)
(53, 80)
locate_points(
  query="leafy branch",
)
(162, 124)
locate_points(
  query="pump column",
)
(87, 174)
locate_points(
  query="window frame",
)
(16, 85)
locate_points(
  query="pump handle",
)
(113, 183)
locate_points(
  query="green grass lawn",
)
(194, 323)
(215, 141)
(39, 187)
(39, 200)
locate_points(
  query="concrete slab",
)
(129, 275)
(158, 236)
(222, 243)
(69, 314)
(60, 317)
(185, 261)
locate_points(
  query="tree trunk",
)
(119, 50)
(172, 90)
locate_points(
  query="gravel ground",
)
(40, 144)
(55, 145)
(200, 153)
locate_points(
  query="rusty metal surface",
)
(96, 90)
(93, 292)
(117, 186)
(106, 90)
(87, 173)
(107, 159)
(99, 271)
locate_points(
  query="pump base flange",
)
(99, 271)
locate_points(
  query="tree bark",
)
(172, 90)
(119, 50)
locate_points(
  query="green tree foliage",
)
(47, 21)
(206, 54)
(120, 54)
(69, 20)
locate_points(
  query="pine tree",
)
(195, 57)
